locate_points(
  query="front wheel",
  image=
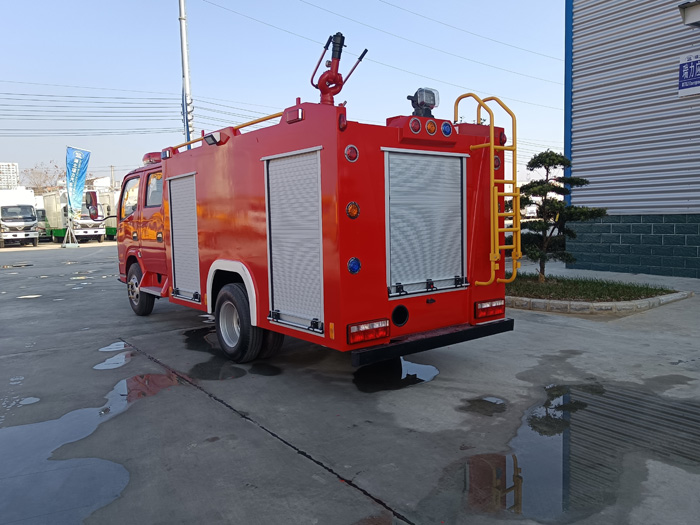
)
(141, 303)
(35, 241)
(101, 238)
(239, 340)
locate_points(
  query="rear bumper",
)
(428, 340)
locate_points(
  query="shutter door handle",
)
(159, 236)
(135, 236)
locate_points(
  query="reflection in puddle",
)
(37, 489)
(393, 374)
(486, 406)
(115, 361)
(567, 455)
(17, 265)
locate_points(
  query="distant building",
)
(9, 175)
(632, 129)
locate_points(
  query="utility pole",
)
(111, 180)
(187, 105)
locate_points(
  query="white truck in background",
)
(18, 221)
(85, 228)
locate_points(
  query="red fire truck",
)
(377, 240)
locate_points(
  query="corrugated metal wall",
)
(633, 138)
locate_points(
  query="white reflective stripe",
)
(241, 269)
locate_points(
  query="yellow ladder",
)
(497, 190)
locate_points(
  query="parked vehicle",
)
(377, 240)
(18, 221)
(85, 228)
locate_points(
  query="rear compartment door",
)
(426, 228)
(183, 237)
(295, 259)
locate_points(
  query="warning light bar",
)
(357, 333)
(489, 308)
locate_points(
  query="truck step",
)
(153, 290)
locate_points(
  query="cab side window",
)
(154, 192)
(130, 198)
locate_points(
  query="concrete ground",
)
(109, 417)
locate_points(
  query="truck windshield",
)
(17, 213)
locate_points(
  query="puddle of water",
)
(265, 369)
(566, 459)
(28, 296)
(119, 345)
(17, 265)
(115, 361)
(393, 374)
(17, 380)
(208, 318)
(37, 489)
(218, 367)
(29, 400)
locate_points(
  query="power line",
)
(424, 17)
(449, 53)
(370, 59)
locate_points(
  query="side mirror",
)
(94, 214)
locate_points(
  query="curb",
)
(581, 307)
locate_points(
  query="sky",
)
(107, 76)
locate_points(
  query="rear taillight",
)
(367, 331)
(489, 308)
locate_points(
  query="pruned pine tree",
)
(545, 238)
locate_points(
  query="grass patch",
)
(579, 289)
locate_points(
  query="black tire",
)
(239, 340)
(2, 243)
(56, 239)
(271, 344)
(141, 302)
(35, 241)
(101, 238)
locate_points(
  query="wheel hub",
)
(229, 324)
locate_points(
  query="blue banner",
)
(76, 171)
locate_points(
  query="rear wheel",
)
(141, 303)
(239, 340)
(56, 239)
(271, 344)
(2, 242)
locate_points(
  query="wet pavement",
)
(105, 417)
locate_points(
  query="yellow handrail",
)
(495, 214)
(244, 125)
(257, 121)
(194, 141)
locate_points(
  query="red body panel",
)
(232, 219)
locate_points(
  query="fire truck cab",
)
(379, 240)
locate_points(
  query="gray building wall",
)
(633, 137)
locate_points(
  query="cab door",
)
(151, 224)
(127, 228)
